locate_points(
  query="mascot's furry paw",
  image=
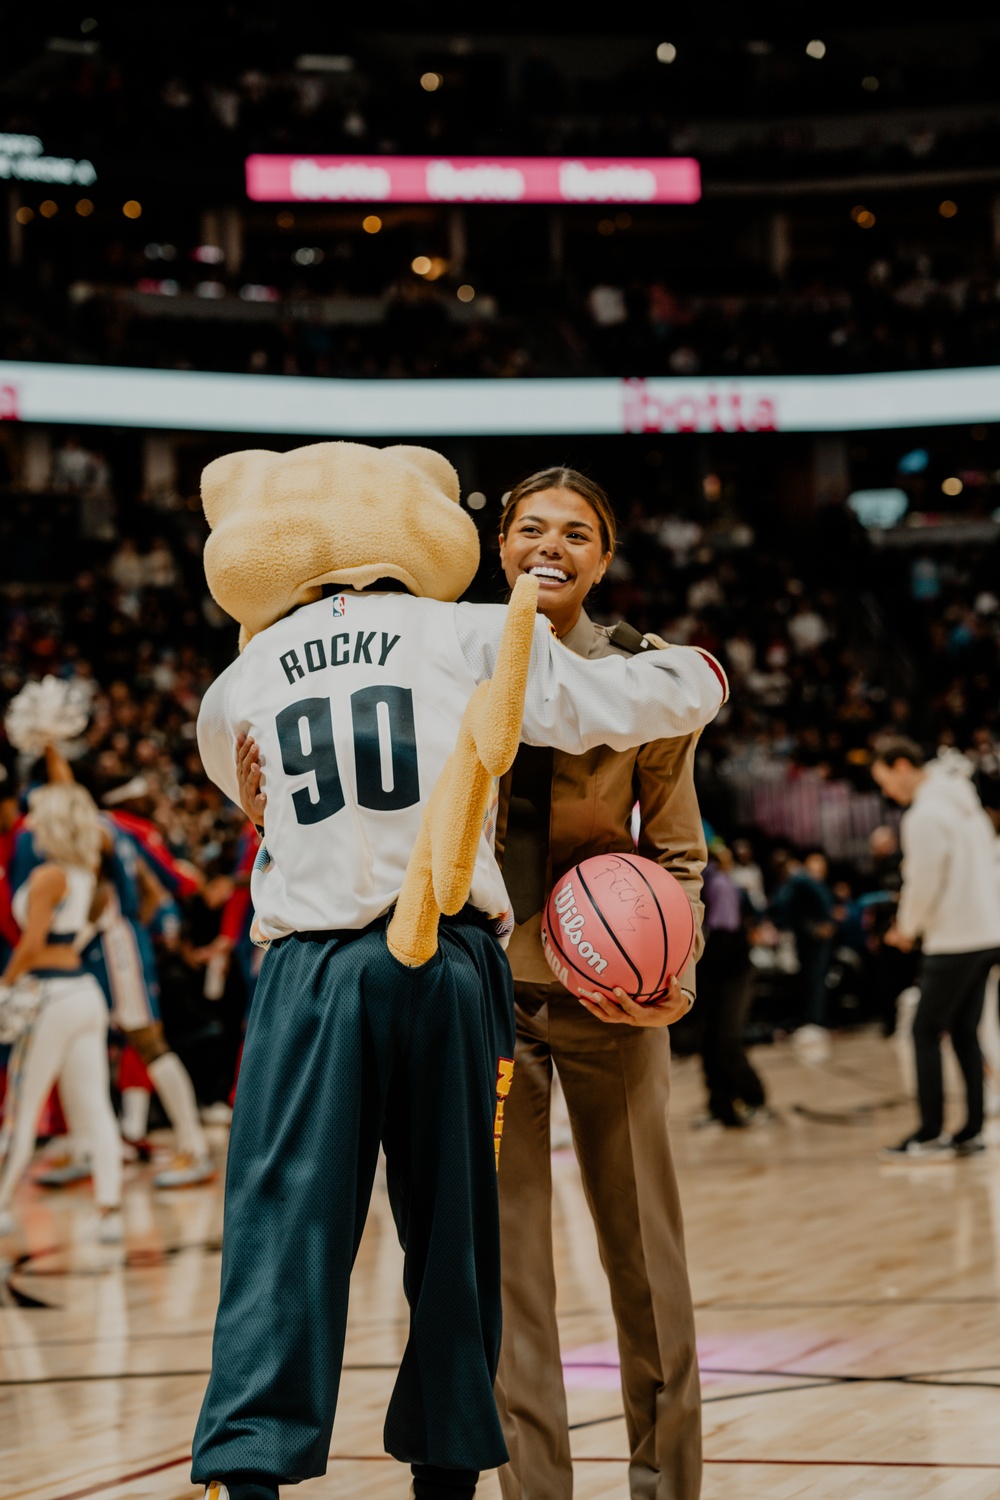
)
(45, 713)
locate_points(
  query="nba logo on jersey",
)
(339, 602)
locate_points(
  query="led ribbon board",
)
(23, 159)
(193, 400)
(472, 179)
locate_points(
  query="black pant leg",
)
(815, 956)
(439, 1138)
(888, 972)
(937, 976)
(951, 991)
(302, 1157)
(724, 998)
(964, 1032)
(723, 1052)
(709, 1013)
(747, 1083)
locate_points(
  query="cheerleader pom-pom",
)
(45, 713)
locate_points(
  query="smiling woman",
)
(559, 526)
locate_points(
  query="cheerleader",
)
(68, 1040)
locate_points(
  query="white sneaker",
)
(111, 1228)
(754, 1116)
(62, 1171)
(812, 1043)
(186, 1171)
(970, 1147)
(913, 1150)
(218, 1113)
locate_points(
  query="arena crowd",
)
(755, 279)
(820, 668)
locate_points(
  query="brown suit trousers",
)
(616, 1080)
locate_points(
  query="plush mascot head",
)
(285, 524)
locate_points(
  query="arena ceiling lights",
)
(185, 400)
(472, 179)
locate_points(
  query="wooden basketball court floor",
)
(848, 1315)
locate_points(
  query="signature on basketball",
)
(618, 880)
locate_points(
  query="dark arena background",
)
(748, 281)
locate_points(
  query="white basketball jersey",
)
(355, 703)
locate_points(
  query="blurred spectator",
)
(804, 906)
(127, 568)
(746, 874)
(888, 970)
(606, 305)
(735, 1091)
(159, 567)
(886, 858)
(78, 469)
(807, 628)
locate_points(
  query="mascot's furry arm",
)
(439, 873)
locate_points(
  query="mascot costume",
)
(383, 712)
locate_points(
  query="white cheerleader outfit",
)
(69, 1043)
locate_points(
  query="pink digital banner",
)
(473, 179)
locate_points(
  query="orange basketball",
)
(618, 920)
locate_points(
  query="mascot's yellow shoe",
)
(244, 1489)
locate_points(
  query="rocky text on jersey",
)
(370, 646)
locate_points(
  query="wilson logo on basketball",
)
(618, 921)
(571, 920)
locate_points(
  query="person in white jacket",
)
(950, 903)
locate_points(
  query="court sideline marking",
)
(103, 1486)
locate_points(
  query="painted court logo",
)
(339, 604)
